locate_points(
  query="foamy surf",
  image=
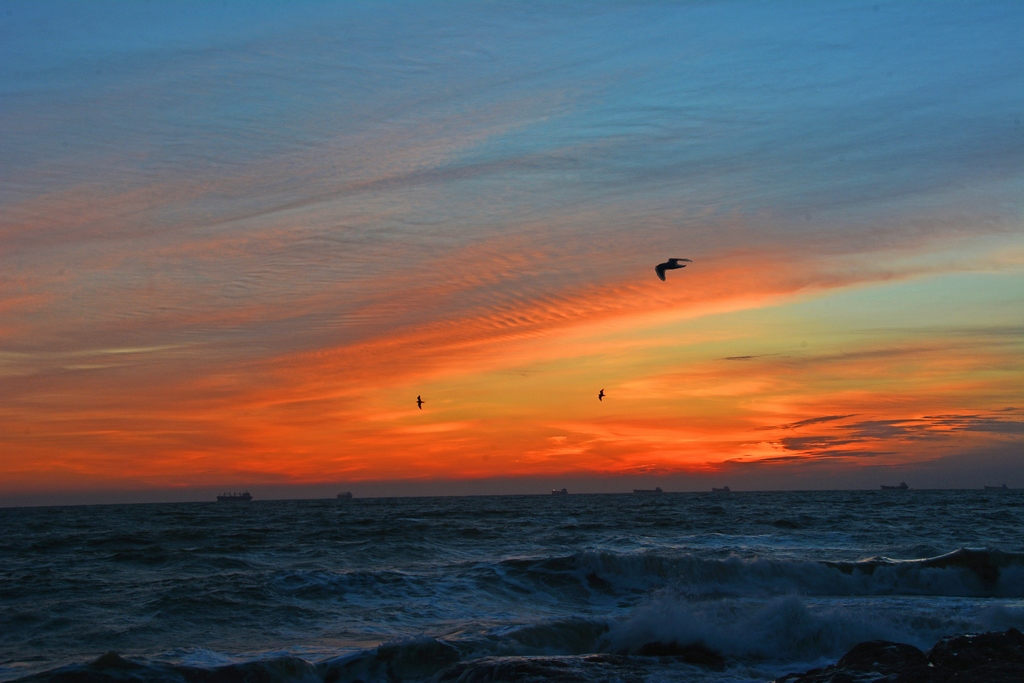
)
(666, 639)
(590, 588)
(963, 572)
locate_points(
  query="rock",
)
(112, 660)
(980, 658)
(871, 661)
(692, 653)
(565, 669)
(409, 659)
(883, 657)
(983, 657)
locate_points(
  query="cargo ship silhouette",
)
(234, 497)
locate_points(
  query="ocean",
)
(740, 586)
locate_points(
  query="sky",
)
(237, 240)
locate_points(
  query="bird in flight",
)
(671, 264)
(420, 402)
(600, 395)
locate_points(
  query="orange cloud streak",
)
(219, 409)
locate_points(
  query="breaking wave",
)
(964, 572)
(708, 614)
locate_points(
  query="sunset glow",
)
(233, 258)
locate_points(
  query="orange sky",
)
(232, 278)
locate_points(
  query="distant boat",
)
(654, 490)
(902, 487)
(347, 495)
(996, 488)
(234, 497)
(559, 492)
(724, 489)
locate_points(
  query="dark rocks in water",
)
(413, 659)
(981, 658)
(585, 669)
(261, 671)
(999, 655)
(882, 657)
(996, 657)
(112, 668)
(107, 668)
(693, 653)
(112, 660)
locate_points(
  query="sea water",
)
(577, 587)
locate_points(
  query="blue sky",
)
(232, 232)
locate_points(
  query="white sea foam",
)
(963, 573)
(237, 595)
(790, 628)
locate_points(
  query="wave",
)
(112, 668)
(780, 629)
(733, 635)
(706, 612)
(590, 578)
(964, 572)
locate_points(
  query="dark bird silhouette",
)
(600, 395)
(671, 264)
(420, 402)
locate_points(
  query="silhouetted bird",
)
(419, 402)
(600, 395)
(671, 264)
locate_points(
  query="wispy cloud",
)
(246, 245)
(809, 421)
(860, 438)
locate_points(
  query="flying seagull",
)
(420, 402)
(671, 264)
(600, 395)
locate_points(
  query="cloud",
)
(977, 423)
(295, 224)
(809, 421)
(805, 443)
(810, 457)
(857, 438)
(932, 426)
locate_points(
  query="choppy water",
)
(512, 588)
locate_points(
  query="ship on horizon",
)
(724, 489)
(902, 487)
(243, 497)
(654, 490)
(559, 492)
(345, 495)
